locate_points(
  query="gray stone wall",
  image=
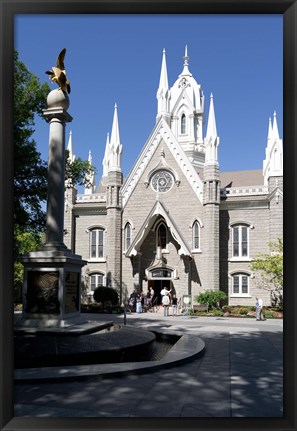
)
(256, 215)
(183, 207)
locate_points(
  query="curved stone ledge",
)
(186, 348)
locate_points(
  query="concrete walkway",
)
(240, 375)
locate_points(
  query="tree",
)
(78, 171)
(270, 269)
(24, 243)
(30, 171)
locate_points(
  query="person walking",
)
(259, 309)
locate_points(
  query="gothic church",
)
(176, 220)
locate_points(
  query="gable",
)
(162, 132)
(158, 210)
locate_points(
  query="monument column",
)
(58, 102)
(52, 276)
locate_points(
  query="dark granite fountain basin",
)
(115, 344)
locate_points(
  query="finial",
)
(186, 58)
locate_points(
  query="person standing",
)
(174, 305)
(259, 309)
(138, 304)
(165, 303)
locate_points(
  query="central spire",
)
(186, 71)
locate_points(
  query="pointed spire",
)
(90, 157)
(163, 90)
(71, 156)
(273, 163)
(186, 71)
(211, 139)
(115, 143)
(275, 133)
(90, 178)
(269, 130)
(105, 161)
(163, 83)
(211, 125)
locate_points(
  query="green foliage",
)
(212, 298)
(24, 243)
(30, 172)
(78, 172)
(106, 294)
(270, 268)
(217, 313)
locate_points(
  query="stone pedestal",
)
(51, 289)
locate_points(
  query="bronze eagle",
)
(58, 73)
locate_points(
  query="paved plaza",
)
(239, 375)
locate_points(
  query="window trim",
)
(95, 274)
(196, 249)
(126, 245)
(240, 274)
(240, 256)
(97, 257)
(183, 124)
(161, 222)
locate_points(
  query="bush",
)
(104, 295)
(212, 298)
(217, 313)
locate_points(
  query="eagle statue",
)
(58, 74)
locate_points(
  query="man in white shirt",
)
(259, 307)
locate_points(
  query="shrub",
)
(212, 298)
(217, 313)
(104, 295)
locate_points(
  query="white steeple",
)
(211, 140)
(90, 179)
(186, 71)
(163, 94)
(71, 156)
(105, 161)
(275, 134)
(115, 145)
(273, 163)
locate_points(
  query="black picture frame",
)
(8, 9)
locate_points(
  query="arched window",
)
(183, 124)
(128, 236)
(162, 236)
(96, 280)
(196, 235)
(240, 241)
(240, 284)
(96, 243)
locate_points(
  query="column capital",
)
(59, 113)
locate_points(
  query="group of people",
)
(141, 302)
(165, 293)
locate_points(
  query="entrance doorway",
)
(157, 286)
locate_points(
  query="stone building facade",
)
(176, 220)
